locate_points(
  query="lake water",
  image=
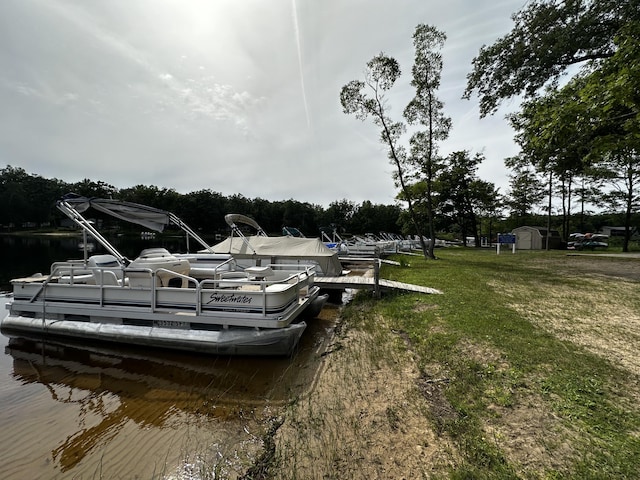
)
(88, 411)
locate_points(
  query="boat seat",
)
(259, 273)
(234, 275)
(106, 269)
(157, 252)
(232, 279)
(164, 264)
(278, 287)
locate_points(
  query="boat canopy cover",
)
(148, 217)
(282, 248)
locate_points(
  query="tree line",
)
(576, 63)
(28, 203)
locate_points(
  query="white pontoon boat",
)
(357, 246)
(252, 250)
(155, 300)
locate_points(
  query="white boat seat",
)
(103, 261)
(161, 261)
(158, 252)
(278, 287)
(202, 272)
(106, 269)
(259, 272)
(234, 275)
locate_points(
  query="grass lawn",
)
(540, 353)
(526, 366)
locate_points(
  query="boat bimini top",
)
(155, 219)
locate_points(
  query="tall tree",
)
(552, 139)
(590, 127)
(613, 114)
(548, 37)
(424, 109)
(381, 74)
(489, 205)
(338, 216)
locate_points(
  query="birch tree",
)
(367, 98)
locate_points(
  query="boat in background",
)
(587, 241)
(367, 246)
(161, 299)
(256, 249)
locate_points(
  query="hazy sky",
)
(236, 96)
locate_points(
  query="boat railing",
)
(297, 279)
(73, 273)
(296, 268)
(223, 282)
(227, 265)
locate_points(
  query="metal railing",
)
(76, 273)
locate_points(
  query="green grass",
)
(498, 362)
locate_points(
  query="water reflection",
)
(111, 388)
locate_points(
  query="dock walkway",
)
(369, 283)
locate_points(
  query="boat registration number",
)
(171, 324)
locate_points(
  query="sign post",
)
(507, 239)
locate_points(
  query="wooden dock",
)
(370, 283)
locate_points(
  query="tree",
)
(339, 214)
(613, 112)
(552, 139)
(27, 198)
(204, 209)
(427, 110)
(89, 188)
(548, 37)
(15, 195)
(424, 109)
(590, 128)
(370, 218)
(488, 203)
(458, 188)
(526, 188)
(381, 74)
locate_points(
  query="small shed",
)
(535, 238)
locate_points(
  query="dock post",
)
(376, 277)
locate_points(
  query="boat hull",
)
(232, 341)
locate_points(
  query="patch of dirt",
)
(600, 311)
(365, 419)
(525, 430)
(531, 437)
(601, 315)
(625, 266)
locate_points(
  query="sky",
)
(233, 96)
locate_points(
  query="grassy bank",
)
(526, 367)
